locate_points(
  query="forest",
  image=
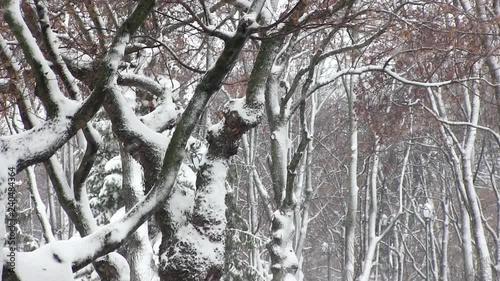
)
(250, 140)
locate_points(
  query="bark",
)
(39, 206)
(485, 271)
(59, 128)
(373, 239)
(445, 237)
(467, 252)
(73, 199)
(249, 145)
(454, 161)
(201, 240)
(284, 262)
(352, 200)
(137, 250)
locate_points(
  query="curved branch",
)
(495, 135)
(143, 82)
(58, 130)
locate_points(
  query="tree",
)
(200, 140)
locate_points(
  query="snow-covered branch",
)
(141, 81)
(58, 130)
(51, 41)
(50, 94)
(377, 68)
(495, 135)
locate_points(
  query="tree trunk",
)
(284, 263)
(136, 250)
(352, 201)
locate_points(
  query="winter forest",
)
(235, 140)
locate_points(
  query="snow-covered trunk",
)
(497, 261)
(445, 236)
(197, 252)
(137, 250)
(352, 200)
(487, 40)
(485, 270)
(497, 240)
(197, 249)
(304, 216)
(483, 252)
(69, 161)
(492, 170)
(52, 205)
(400, 253)
(454, 161)
(284, 262)
(433, 259)
(466, 233)
(373, 239)
(467, 181)
(279, 155)
(253, 201)
(62, 224)
(308, 191)
(467, 251)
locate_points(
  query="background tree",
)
(194, 140)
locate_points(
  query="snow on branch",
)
(53, 99)
(495, 135)
(108, 69)
(128, 126)
(244, 6)
(51, 41)
(40, 142)
(143, 82)
(376, 68)
(163, 117)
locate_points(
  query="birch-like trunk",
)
(373, 239)
(445, 236)
(481, 244)
(461, 163)
(249, 141)
(136, 250)
(492, 170)
(352, 197)
(308, 189)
